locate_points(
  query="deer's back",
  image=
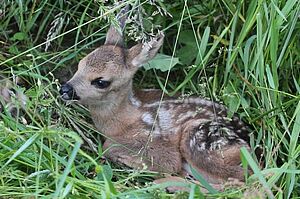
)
(202, 122)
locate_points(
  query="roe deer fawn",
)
(167, 135)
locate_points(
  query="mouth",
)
(67, 92)
(66, 97)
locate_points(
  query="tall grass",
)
(245, 54)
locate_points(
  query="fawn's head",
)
(105, 75)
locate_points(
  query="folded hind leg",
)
(213, 149)
(215, 166)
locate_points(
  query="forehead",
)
(105, 55)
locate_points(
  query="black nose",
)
(67, 92)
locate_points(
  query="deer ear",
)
(114, 35)
(142, 53)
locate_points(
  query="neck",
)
(112, 118)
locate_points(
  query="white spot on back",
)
(147, 118)
(192, 143)
(244, 128)
(165, 119)
(217, 145)
(156, 131)
(194, 100)
(202, 146)
(184, 116)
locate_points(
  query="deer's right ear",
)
(114, 35)
(142, 53)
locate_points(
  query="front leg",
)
(157, 156)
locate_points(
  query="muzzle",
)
(67, 92)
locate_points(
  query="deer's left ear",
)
(142, 53)
(114, 37)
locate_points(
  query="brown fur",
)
(142, 131)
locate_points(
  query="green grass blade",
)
(256, 171)
(291, 178)
(203, 182)
(20, 150)
(67, 170)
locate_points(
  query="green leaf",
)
(105, 171)
(19, 36)
(162, 62)
(187, 54)
(109, 187)
(232, 99)
(13, 49)
(187, 37)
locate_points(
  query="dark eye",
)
(99, 83)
